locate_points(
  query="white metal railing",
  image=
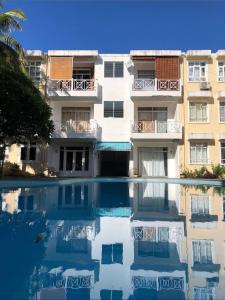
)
(73, 84)
(78, 127)
(156, 127)
(156, 84)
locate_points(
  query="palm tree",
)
(10, 21)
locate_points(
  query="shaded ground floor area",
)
(146, 159)
(86, 158)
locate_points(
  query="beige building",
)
(205, 231)
(203, 109)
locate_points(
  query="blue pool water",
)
(112, 240)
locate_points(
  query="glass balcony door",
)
(152, 119)
(76, 119)
(74, 160)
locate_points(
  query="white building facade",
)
(114, 114)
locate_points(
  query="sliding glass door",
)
(152, 119)
(153, 162)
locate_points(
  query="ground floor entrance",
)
(71, 159)
(153, 161)
(114, 163)
(74, 159)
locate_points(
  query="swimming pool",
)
(112, 239)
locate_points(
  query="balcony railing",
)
(156, 127)
(73, 85)
(76, 128)
(156, 85)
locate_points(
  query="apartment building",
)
(204, 214)
(114, 114)
(203, 108)
(146, 113)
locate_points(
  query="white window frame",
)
(114, 69)
(37, 68)
(207, 291)
(223, 70)
(207, 112)
(219, 102)
(212, 249)
(222, 163)
(113, 110)
(198, 62)
(200, 196)
(198, 163)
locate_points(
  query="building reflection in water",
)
(112, 241)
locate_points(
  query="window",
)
(198, 112)
(82, 74)
(202, 293)
(146, 74)
(113, 109)
(222, 153)
(113, 69)
(28, 152)
(223, 207)
(221, 71)
(198, 152)
(111, 295)
(26, 202)
(200, 205)
(197, 71)
(112, 254)
(222, 111)
(33, 69)
(202, 251)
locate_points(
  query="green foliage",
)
(24, 113)
(218, 171)
(10, 21)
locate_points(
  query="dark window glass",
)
(30, 202)
(69, 161)
(118, 71)
(86, 160)
(113, 109)
(117, 295)
(106, 254)
(112, 254)
(21, 202)
(32, 155)
(77, 194)
(108, 109)
(60, 196)
(108, 69)
(118, 109)
(105, 294)
(68, 194)
(113, 69)
(118, 253)
(78, 161)
(61, 159)
(23, 153)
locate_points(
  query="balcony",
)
(156, 130)
(76, 130)
(155, 87)
(81, 88)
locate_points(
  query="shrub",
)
(218, 170)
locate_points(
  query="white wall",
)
(114, 89)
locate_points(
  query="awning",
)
(113, 146)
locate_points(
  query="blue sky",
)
(117, 26)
